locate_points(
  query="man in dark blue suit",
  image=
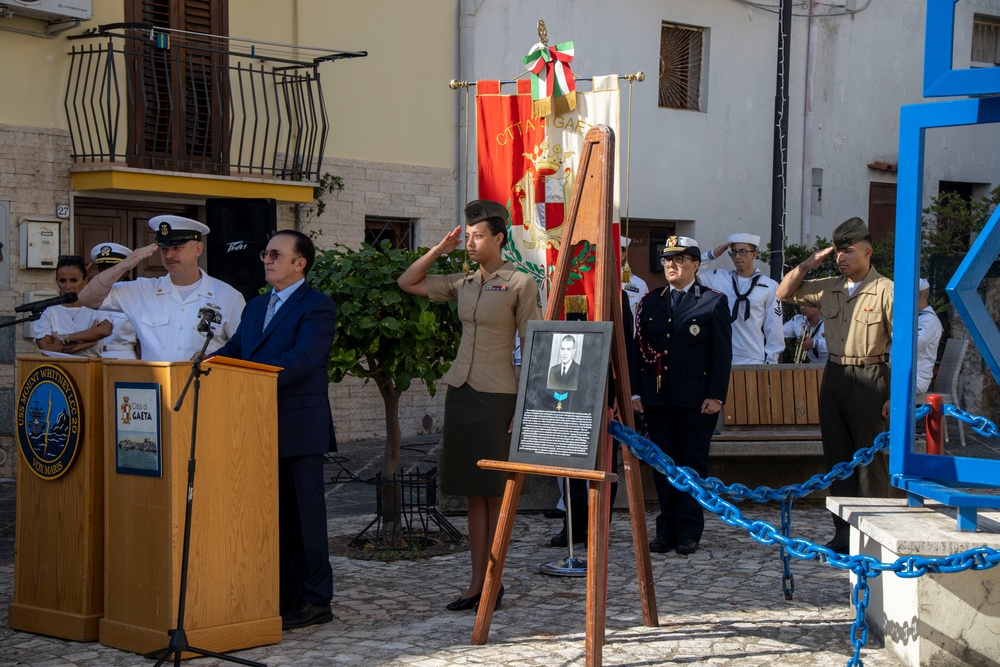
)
(293, 327)
(680, 377)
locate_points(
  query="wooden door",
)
(881, 210)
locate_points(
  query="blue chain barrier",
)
(980, 425)
(864, 567)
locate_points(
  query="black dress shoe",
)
(561, 540)
(687, 548)
(305, 614)
(461, 604)
(661, 545)
(496, 605)
(554, 514)
(838, 547)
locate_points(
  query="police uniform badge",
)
(48, 421)
(671, 241)
(694, 329)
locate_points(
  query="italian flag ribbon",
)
(553, 88)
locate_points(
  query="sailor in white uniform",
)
(810, 322)
(756, 311)
(929, 332)
(635, 287)
(122, 341)
(166, 311)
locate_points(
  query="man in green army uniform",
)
(854, 397)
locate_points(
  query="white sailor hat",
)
(108, 254)
(924, 285)
(174, 230)
(681, 245)
(752, 239)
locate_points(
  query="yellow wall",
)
(392, 106)
(35, 69)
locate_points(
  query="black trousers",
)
(303, 546)
(685, 435)
(850, 418)
(579, 497)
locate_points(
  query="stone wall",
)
(978, 391)
(34, 178)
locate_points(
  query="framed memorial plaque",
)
(561, 395)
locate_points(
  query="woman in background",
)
(494, 302)
(71, 329)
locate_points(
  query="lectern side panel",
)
(58, 580)
(142, 522)
(234, 548)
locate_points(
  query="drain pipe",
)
(812, 39)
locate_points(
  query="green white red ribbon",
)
(553, 87)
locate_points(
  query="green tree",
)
(386, 336)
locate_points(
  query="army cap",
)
(484, 209)
(681, 245)
(108, 254)
(850, 232)
(175, 230)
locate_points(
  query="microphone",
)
(38, 306)
(208, 316)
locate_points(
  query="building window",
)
(985, 41)
(397, 231)
(681, 55)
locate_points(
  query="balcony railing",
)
(198, 106)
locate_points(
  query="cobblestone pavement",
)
(720, 606)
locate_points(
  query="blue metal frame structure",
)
(925, 476)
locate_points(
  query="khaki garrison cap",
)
(484, 209)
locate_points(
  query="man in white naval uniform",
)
(929, 332)
(756, 312)
(635, 287)
(121, 343)
(810, 320)
(166, 311)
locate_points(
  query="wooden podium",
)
(232, 591)
(59, 537)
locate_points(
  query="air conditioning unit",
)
(51, 10)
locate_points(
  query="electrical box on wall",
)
(39, 243)
(51, 10)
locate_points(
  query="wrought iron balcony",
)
(141, 97)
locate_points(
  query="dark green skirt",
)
(475, 427)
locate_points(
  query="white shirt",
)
(57, 320)
(793, 329)
(635, 288)
(167, 324)
(759, 339)
(121, 343)
(929, 331)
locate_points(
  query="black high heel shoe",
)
(496, 605)
(461, 604)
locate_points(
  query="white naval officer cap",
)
(681, 245)
(625, 241)
(752, 239)
(108, 254)
(175, 230)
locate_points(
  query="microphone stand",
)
(35, 314)
(178, 644)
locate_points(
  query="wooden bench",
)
(771, 410)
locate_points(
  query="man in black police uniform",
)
(680, 377)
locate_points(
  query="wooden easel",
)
(588, 219)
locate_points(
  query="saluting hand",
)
(450, 241)
(816, 258)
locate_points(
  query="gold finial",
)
(543, 33)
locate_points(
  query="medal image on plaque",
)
(560, 399)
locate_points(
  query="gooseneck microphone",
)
(38, 306)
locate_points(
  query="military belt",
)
(857, 361)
